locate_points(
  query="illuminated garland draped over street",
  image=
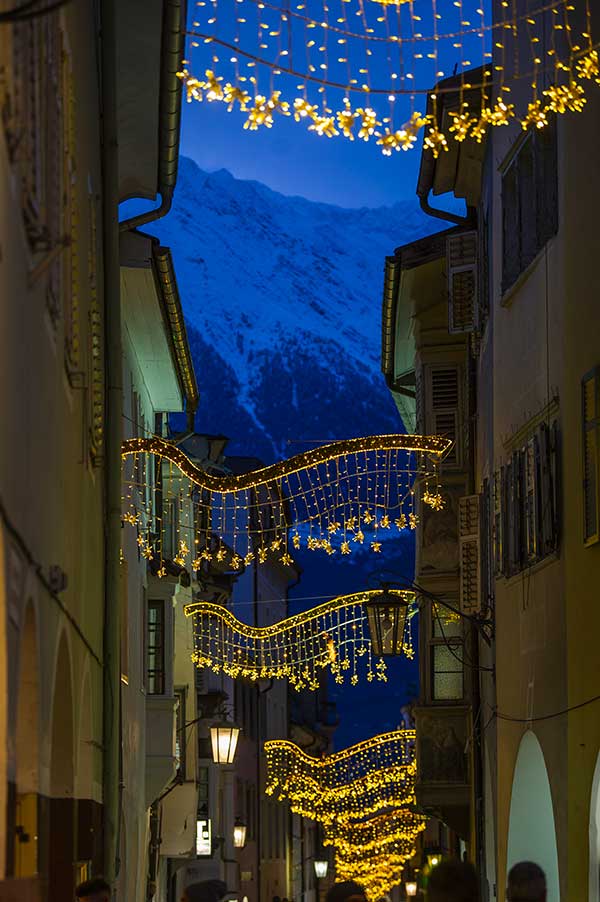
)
(356, 68)
(363, 796)
(333, 635)
(337, 497)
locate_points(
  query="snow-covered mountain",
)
(282, 298)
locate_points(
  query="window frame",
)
(160, 676)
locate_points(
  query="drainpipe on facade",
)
(113, 419)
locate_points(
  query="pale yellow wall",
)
(546, 335)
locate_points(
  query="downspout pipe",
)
(111, 717)
(169, 113)
(442, 214)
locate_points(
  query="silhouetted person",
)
(526, 883)
(94, 890)
(348, 891)
(205, 891)
(453, 881)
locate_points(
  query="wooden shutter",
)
(469, 553)
(547, 489)
(463, 305)
(498, 528)
(546, 178)
(487, 548)
(590, 428)
(531, 499)
(443, 408)
(510, 227)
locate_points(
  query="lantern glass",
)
(239, 835)
(411, 887)
(224, 737)
(387, 616)
(321, 867)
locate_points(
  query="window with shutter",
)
(463, 305)
(487, 549)
(443, 408)
(529, 202)
(515, 549)
(469, 553)
(590, 440)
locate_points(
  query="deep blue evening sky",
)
(292, 160)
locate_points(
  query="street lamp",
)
(321, 865)
(224, 736)
(411, 887)
(388, 614)
(239, 834)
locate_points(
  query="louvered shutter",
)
(516, 511)
(590, 424)
(443, 408)
(463, 306)
(487, 549)
(469, 553)
(547, 490)
(531, 498)
(499, 512)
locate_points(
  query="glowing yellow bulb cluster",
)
(337, 498)
(334, 635)
(364, 798)
(303, 48)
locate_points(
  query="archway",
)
(61, 845)
(531, 831)
(25, 853)
(594, 875)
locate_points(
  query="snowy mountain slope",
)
(283, 302)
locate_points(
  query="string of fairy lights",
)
(332, 498)
(333, 635)
(363, 69)
(336, 498)
(362, 796)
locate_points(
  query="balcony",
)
(179, 814)
(443, 780)
(161, 764)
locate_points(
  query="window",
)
(524, 507)
(447, 682)
(590, 417)
(156, 648)
(529, 202)
(442, 408)
(203, 797)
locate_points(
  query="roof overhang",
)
(150, 42)
(459, 169)
(146, 322)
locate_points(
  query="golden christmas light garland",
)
(271, 60)
(361, 795)
(339, 497)
(378, 770)
(333, 635)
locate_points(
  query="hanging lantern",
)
(239, 834)
(321, 867)
(411, 887)
(388, 616)
(224, 736)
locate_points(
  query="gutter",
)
(169, 112)
(390, 284)
(111, 711)
(173, 312)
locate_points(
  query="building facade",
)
(487, 338)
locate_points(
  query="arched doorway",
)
(531, 831)
(61, 839)
(594, 876)
(25, 862)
